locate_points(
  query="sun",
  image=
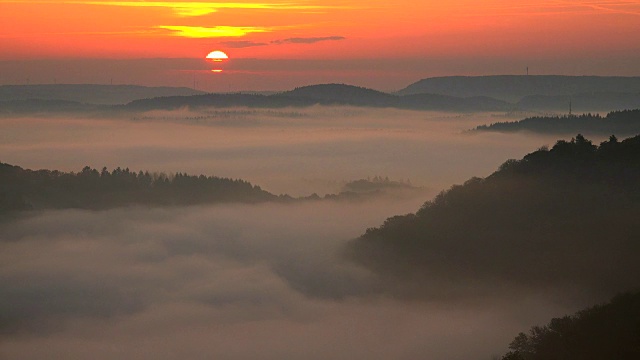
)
(217, 56)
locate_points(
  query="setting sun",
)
(217, 56)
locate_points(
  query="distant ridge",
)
(110, 99)
(90, 93)
(513, 88)
(325, 94)
(343, 93)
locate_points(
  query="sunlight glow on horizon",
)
(199, 32)
(473, 34)
(194, 8)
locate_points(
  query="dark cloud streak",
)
(242, 44)
(307, 40)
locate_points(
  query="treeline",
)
(565, 217)
(22, 189)
(616, 122)
(608, 331)
(377, 183)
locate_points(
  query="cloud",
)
(200, 32)
(307, 40)
(241, 44)
(194, 8)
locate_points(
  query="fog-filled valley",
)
(269, 280)
(293, 151)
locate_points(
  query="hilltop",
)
(324, 94)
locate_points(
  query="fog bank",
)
(228, 282)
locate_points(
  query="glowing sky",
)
(597, 37)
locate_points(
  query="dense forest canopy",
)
(565, 217)
(608, 331)
(616, 122)
(23, 189)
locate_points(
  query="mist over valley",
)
(316, 231)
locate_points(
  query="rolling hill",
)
(513, 88)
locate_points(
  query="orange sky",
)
(521, 31)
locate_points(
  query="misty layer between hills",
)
(564, 219)
(236, 280)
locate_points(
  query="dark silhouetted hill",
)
(23, 189)
(491, 93)
(342, 94)
(326, 94)
(513, 88)
(219, 101)
(564, 218)
(90, 93)
(607, 331)
(625, 122)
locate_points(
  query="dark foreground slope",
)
(565, 218)
(625, 122)
(23, 189)
(608, 331)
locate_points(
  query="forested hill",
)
(514, 88)
(625, 122)
(322, 94)
(565, 217)
(608, 331)
(22, 189)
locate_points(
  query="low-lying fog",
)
(294, 151)
(227, 282)
(245, 281)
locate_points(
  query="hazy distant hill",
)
(31, 106)
(325, 94)
(560, 218)
(607, 331)
(625, 122)
(583, 102)
(89, 93)
(344, 94)
(482, 96)
(453, 103)
(218, 100)
(513, 88)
